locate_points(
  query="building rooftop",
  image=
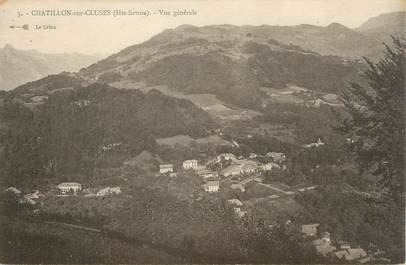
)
(190, 161)
(64, 184)
(212, 183)
(166, 166)
(310, 225)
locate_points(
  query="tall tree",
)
(376, 120)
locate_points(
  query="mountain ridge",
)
(21, 66)
(233, 62)
(383, 26)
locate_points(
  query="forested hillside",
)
(76, 130)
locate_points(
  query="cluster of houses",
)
(102, 192)
(202, 171)
(74, 187)
(340, 251)
(66, 189)
(211, 178)
(235, 166)
(240, 165)
(33, 199)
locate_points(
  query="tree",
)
(375, 123)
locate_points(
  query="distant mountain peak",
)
(393, 22)
(186, 27)
(18, 67)
(337, 26)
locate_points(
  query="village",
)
(239, 181)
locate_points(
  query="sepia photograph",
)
(202, 131)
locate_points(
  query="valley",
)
(212, 144)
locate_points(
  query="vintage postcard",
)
(202, 132)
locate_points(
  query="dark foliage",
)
(77, 129)
(356, 219)
(276, 69)
(213, 73)
(49, 83)
(376, 120)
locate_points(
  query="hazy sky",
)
(108, 34)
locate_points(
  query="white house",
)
(167, 168)
(188, 164)
(67, 186)
(212, 186)
(310, 229)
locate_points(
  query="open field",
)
(186, 140)
(207, 102)
(279, 131)
(299, 95)
(271, 208)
